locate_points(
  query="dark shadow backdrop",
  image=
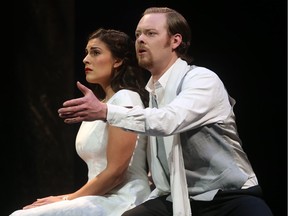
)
(244, 42)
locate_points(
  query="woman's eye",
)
(94, 52)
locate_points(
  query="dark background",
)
(244, 42)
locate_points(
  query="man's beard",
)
(145, 62)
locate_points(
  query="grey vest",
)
(210, 153)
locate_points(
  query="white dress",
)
(91, 144)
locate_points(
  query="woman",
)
(116, 159)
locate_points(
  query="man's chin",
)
(144, 63)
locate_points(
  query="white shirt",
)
(194, 107)
(203, 100)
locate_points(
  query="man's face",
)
(153, 44)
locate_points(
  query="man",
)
(192, 114)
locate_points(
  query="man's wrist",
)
(105, 111)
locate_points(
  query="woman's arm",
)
(120, 148)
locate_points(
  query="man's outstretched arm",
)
(86, 108)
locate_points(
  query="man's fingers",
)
(71, 111)
(83, 88)
(73, 102)
(77, 101)
(74, 120)
(66, 115)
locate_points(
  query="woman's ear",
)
(117, 63)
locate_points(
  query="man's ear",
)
(176, 40)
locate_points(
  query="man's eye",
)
(151, 33)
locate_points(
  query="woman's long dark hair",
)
(129, 75)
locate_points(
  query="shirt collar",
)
(151, 86)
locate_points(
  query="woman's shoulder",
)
(126, 97)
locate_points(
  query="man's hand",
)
(86, 108)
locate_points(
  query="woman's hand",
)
(44, 201)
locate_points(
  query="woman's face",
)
(99, 63)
